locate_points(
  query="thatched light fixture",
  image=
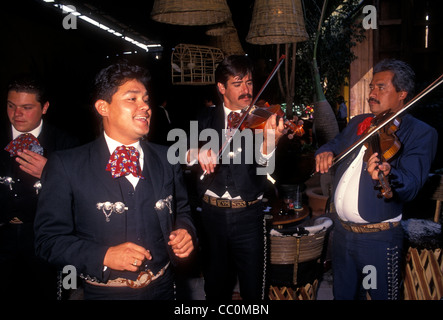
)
(280, 22)
(277, 22)
(190, 12)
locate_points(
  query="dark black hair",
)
(340, 99)
(29, 83)
(235, 65)
(404, 76)
(110, 78)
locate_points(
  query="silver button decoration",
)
(108, 208)
(37, 186)
(160, 204)
(7, 181)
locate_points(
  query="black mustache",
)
(373, 100)
(246, 95)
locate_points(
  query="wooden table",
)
(279, 220)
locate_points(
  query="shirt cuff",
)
(193, 159)
(264, 158)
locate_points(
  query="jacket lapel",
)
(99, 155)
(152, 169)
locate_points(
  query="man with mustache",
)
(232, 214)
(368, 236)
(115, 208)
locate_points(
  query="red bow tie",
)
(233, 119)
(124, 161)
(22, 142)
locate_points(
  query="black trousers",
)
(233, 247)
(24, 275)
(367, 262)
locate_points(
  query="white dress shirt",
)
(346, 194)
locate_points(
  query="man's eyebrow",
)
(136, 92)
(21, 105)
(380, 83)
(242, 80)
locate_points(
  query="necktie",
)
(123, 161)
(22, 142)
(233, 118)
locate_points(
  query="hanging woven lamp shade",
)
(277, 22)
(190, 12)
(229, 44)
(221, 28)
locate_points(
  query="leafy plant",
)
(339, 33)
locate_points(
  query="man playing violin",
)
(368, 235)
(232, 214)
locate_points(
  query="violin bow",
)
(245, 114)
(417, 98)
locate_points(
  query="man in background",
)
(26, 143)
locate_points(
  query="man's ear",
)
(403, 95)
(45, 107)
(102, 107)
(221, 88)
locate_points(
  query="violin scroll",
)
(384, 187)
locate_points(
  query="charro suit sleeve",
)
(183, 218)
(56, 239)
(344, 139)
(410, 170)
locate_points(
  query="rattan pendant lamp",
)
(280, 22)
(225, 36)
(277, 22)
(190, 12)
(229, 43)
(220, 29)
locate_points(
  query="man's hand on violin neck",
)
(375, 166)
(323, 161)
(270, 141)
(277, 127)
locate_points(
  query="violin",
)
(387, 145)
(258, 115)
(248, 111)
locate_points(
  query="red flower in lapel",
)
(364, 125)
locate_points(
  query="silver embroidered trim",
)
(393, 273)
(265, 255)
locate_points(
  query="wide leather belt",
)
(370, 227)
(228, 203)
(143, 279)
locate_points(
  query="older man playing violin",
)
(368, 237)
